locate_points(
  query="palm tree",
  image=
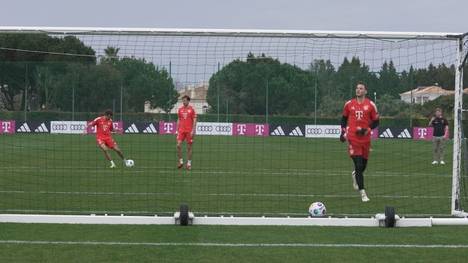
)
(111, 54)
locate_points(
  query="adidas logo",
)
(278, 132)
(132, 129)
(404, 134)
(41, 128)
(24, 128)
(296, 132)
(150, 129)
(387, 134)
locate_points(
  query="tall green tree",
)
(349, 73)
(245, 87)
(95, 87)
(46, 84)
(111, 55)
(98, 87)
(143, 81)
(389, 81)
(22, 54)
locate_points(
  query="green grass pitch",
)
(111, 243)
(271, 176)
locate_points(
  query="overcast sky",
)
(389, 15)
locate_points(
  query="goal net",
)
(269, 105)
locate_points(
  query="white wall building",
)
(197, 94)
(421, 95)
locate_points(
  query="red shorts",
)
(185, 136)
(107, 141)
(359, 148)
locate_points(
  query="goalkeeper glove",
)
(362, 131)
(342, 136)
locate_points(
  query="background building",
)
(197, 94)
(421, 95)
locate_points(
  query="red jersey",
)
(187, 116)
(104, 127)
(360, 115)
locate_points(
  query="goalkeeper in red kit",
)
(360, 116)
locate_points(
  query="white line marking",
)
(285, 172)
(209, 244)
(227, 194)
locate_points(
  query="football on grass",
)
(317, 209)
(129, 163)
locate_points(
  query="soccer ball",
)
(317, 209)
(129, 163)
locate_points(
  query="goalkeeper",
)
(360, 116)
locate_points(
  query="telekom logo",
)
(422, 133)
(241, 129)
(118, 126)
(168, 127)
(6, 126)
(259, 129)
(359, 114)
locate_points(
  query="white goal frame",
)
(374, 221)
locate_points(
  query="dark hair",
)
(361, 83)
(186, 97)
(108, 113)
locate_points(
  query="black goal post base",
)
(183, 217)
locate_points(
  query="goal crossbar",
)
(234, 32)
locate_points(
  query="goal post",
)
(269, 104)
(458, 171)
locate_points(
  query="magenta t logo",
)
(375, 133)
(241, 129)
(259, 129)
(422, 133)
(168, 127)
(359, 114)
(250, 129)
(7, 127)
(117, 126)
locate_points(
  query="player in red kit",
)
(104, 140)
(360, 117)
(186, 125)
